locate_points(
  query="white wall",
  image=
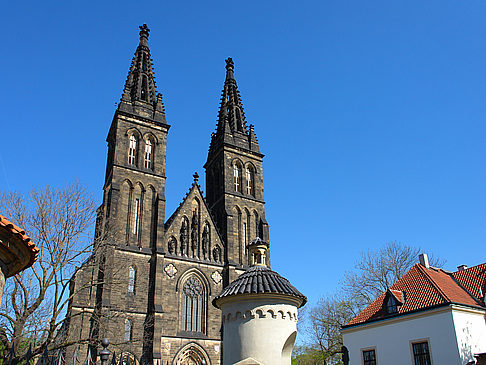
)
(392, 338)
(262, 329)
(470, 327)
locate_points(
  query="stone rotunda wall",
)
(263, 329)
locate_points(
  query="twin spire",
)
(232, 128)
(140, 95)
(140, 98)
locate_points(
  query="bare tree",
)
(376, 271)
(324, 325)
(60, 222)
(372, 274)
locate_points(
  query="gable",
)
(424, 288)
(191, 231)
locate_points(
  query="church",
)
(150, 281)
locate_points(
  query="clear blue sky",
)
(372, 115)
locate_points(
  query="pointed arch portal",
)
(192, 354)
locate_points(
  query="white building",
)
(259, 313)
(429, 316)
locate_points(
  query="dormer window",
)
(132, 150)
(391, 305)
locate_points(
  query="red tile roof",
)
(425, 288)
(20, 233)
(470, 278)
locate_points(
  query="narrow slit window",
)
(245, 234)
(131, 280)
(136, 216)
(144, 62)
(143, 93)
(128, 330)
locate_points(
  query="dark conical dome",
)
(260, 280)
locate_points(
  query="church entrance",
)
(192, 354)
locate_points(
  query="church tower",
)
(135, 171)
(114, 289)
(234, 177)
(149, 283)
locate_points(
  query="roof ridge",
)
(432, 282)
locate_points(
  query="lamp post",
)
(104, 354)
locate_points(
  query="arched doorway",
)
(192, 354)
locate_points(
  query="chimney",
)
(461, 267)
(424, 260)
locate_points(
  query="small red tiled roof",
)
(473, 280)
(20, 233)
(424, 288)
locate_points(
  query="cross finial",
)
(195, 176)
(144, 31)
(229, 63)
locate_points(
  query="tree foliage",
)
(60, 222)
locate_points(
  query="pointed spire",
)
(231, 110)
(231, 127)
(140, 95)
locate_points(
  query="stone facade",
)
(149, 283)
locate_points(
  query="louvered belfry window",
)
(249, 181)
(148, 154)
(132, 150)
(237, 177)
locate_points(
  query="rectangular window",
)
(421, 353)
(136, 216)
(369, 357)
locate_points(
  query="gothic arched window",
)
(128, 330)
(132, 150)
(147, 161)
(193, 305)
(250, 176)
(131, 280)
(237, 176)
